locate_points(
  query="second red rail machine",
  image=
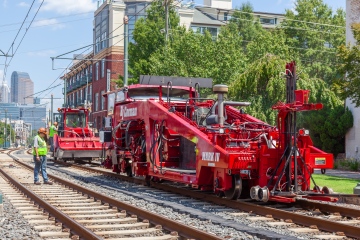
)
(162, 129)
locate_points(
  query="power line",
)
(57, 17)
(27, 29)
(17, 34)
(43, 90)
(50, 24)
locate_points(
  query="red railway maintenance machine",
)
(75, 140)
(162, 129)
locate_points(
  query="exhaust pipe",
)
(220, 89)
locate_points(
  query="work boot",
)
(37, 183)
(48, 182)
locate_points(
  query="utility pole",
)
(167, 3)
(10, 131)
(5, 128)
(65, 90)
(126, 43)
(87, 90)
(52, 105)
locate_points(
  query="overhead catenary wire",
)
(27, 29)
(22, 24)
(52, 18)
(50, 24)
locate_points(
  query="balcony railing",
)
(79, 102)
(80, 83)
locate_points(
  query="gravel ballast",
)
(12, 224)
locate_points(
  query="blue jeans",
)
(51, 139)
(40, 165)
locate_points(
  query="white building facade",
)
(352, 138)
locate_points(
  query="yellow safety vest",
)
(42, 149)
(52, 131)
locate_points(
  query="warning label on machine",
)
(320, 161)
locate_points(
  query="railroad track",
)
(71, 211)
(318, 216)
(342, 220)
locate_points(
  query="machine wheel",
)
(129, 172)
(235, 191)
(54, 155)
(148, 180)
(323, 171)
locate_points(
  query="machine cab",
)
(72, 122)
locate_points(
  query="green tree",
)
(328, 128)
(8, 131)
(313, 33)
(349, 83)
(191, 54)
(149, 37)
(247, 25)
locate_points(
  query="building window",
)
(213, 31)
(268, 21)
(96, 101)
(102, 68)
(134, 11)
(101, 30)
(97, 71)
(97, 39)
(102, 100)
(225, 16)
(103, 33)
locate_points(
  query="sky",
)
(62, 26)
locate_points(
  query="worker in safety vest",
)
(39, 152)
(53, 130)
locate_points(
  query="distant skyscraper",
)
(21, 88)
(4, 92)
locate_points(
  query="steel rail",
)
(327, 208)
(75, 227)
(168, 224)
(322, 224)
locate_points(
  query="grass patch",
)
(338, 184)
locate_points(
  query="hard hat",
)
(42, 130)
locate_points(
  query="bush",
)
(347, 164)
(354, 165)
